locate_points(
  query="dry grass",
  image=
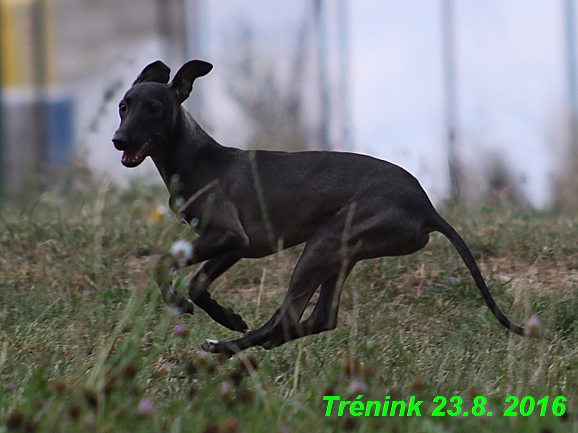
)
(86, 345)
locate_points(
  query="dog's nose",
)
(120, 140)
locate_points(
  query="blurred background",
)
(478, 100)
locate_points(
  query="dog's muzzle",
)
(131, 157)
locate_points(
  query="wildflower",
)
(129, 371)
(90, 422)
(145, 407)
(160, 212)
(202, 359)
(91, 398)
(237, 377)
(181, 331)
(417, 383)
(357, 386)
(224, 389)
(182, 251)
(192, 392)
(191, 368)
(230, 425)
(349, 423)
(14, 421)
(59, 386)
(74, 412)
(368, 370)
(533, 327)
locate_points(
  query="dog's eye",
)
(122, 107)
(154, 109)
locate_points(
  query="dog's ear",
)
(157, 72)
(189, 72)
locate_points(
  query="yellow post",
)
(17, 42)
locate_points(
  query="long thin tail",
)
(448, 231)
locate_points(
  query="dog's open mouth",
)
(132, 158)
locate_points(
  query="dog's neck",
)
(179, 152)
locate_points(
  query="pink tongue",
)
(131, 155)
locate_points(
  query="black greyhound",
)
(345, 207)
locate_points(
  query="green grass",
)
(86, 344)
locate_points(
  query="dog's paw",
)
(183, 304)
(223, 349)
(209, 345)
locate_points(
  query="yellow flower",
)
(159, 212)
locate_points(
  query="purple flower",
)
(145, 407)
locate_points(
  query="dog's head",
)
(148, 110)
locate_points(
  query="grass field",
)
(87, 345)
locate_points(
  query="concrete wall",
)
(93, 49)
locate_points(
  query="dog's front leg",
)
(163, 274)
(199, 294)
(211, 244)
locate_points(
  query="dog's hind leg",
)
(324, 315)
(322, 318)
(199, 294)
(319, 262)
